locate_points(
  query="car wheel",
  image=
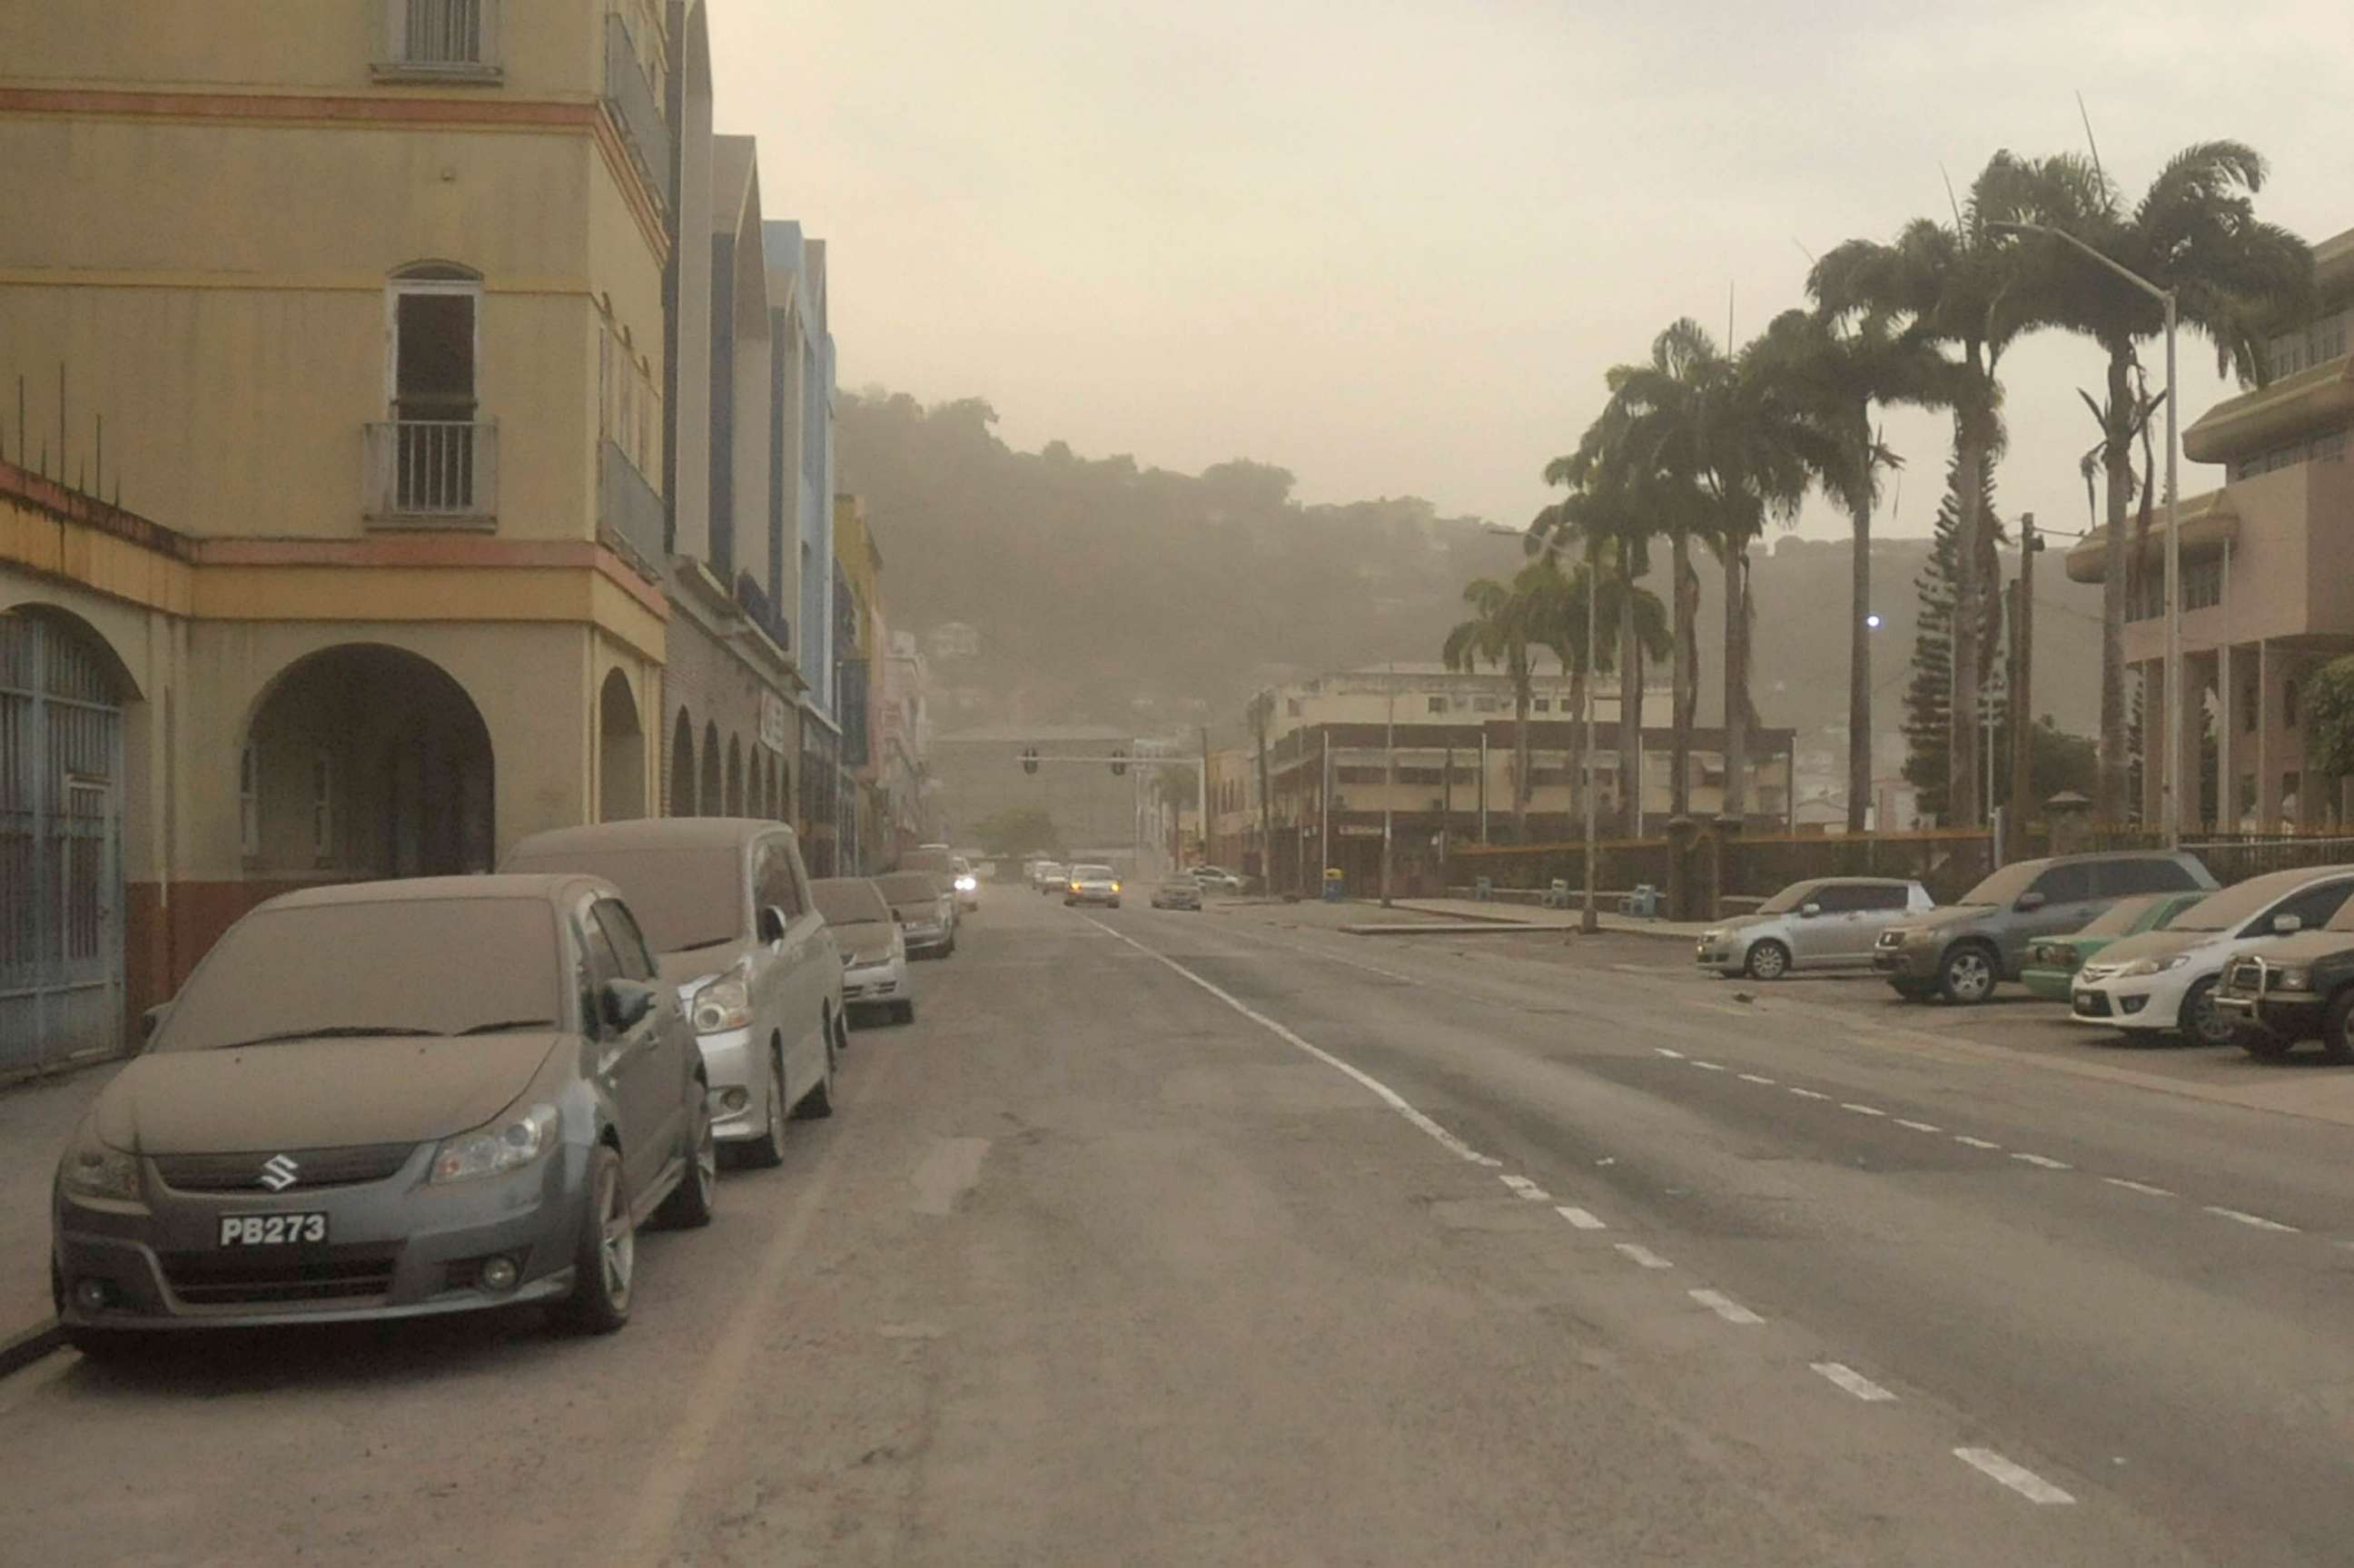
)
(2337, 1027)
(1967, 976)
(695, 1199)
(606, 1259)
(818, 1104)
(768, 1151)
(1768, 961)
(2202, 1022)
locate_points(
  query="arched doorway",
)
(366, 761)
(710, 802)
(735, 777)
(621, 752)
(62, 692)
(681, 767)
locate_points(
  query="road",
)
(1227, 1238)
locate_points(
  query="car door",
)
(1877, 909)
(671, 1044)
(2069, 902)
(1814, 939)
(794, 994)
(628, 1061)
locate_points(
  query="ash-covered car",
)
(1829, 923)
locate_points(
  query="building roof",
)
(735, 181)
(2210, 521)
(2319, 395)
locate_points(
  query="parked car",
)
(725, 907)
(1177, 893)
(1217, 879)
(390, 1099)
(2165, 980)
(1050, 876)
(2296, 989)
(2052, 963)
(1964, 951)
(1092, 884)
(874, 947)
(927, 916)
(1829, 922)
(966, 882)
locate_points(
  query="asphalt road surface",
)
(1226, 1238)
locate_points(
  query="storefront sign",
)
(775, 732)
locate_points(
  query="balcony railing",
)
(440, 40)
(432, 473)
(636, 104)
(630, 512)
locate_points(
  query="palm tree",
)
(1505, 624)
(2194, 232)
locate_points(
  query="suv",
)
(1830, 922)
(1964, 951)
(726, 905)
(2295, 988)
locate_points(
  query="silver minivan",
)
(725, 903)
(1828, 923)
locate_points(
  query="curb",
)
(27, 1346)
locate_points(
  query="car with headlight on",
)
(1964, 951)
(966, 882)
(874, 947)
(390, 1099)
(925, 915)
(1092, 884)
(725, 903)
(2291, 990)
(2165, 981)
(1826, 923)
(1177, 893)
(2051, 964)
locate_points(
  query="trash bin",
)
(1643, 903)
(1483, 890)
(1557, 896)
(1336, 885)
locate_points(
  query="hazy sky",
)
(1393, 243)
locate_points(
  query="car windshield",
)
(2234, 905)
(1176, 883)
(2121, 918)
(1789, 899)
(401, 965)
(683, 898)
(940, 861)
(2005, 886)
(909, 886)
(849, 901)
(1090, 873)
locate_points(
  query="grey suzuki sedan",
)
(387, 1100)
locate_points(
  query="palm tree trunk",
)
(2117, 454)
(1963, 808)
(1521, 781)
(1859, 641)
(1684, 702)
(1631, 704)
(1736, 678)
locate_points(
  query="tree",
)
(1928, 700)
(1261, 715)
(1018, 830)
(1506, 622)
(2194, 232)
(2328, 717)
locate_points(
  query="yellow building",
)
(363, 304)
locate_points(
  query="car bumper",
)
(396, 1248)
(1905, 963)
(1720, 958)
(2149, 1002)
(865, 986)
(1104, 898)
(737, 1077)
(2292, 1015)
(926, 939)
(2049, 985)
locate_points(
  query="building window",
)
(1542, 704)
(2288, 703)
(249, 801)
(1485, 704)
(2202, 584)
(2250, 705)
(1438, 705)
(322, 807)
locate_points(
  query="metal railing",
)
(440, 39)
(630, 510)
(636, 104)
(437, 471)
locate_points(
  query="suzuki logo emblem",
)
(279, 1173)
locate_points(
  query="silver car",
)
(727, 906)
(874, 946)
(390, 1099)
(1829, 923)
(927, 915)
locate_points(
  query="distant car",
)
(967, 884)
(2051, 962)
(1965, 950)
(390, 1099)
(725, 907)
(2164, 982)
(1050, 876)
(874, 948)
(925, 913)
(1092, 884)
(1829, 923)
(1177, 893)
(1216, 879)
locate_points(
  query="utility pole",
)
(1590, 921)
(1389, 782)
(1324, 814)
(1209, 838)
(2022, 677)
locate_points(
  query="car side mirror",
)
(152, 1020)
(625, 1002)
(771, 923)
(2287, 925)
(2029, 903)
(1809, 911)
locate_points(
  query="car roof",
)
(649, 834)
(550, 887)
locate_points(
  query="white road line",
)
(1671, 1055)
(1974, 1142)
(1862, 1110)
(1580, 1218)
(1643, 1256)
(1854, 1383)
(2258, 1221)
(2018, 1477)
(1724, 1307)
(1708, 1067)
(2142, 1187)
(1526, 1189)
(1756, 1078)
(1919, 1126)
(1387, 1095)
(1808, 1095)
(2045, 1161)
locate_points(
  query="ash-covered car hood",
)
(868, 942)
(1952, 917)
(2158, 945)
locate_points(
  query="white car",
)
(967, 883)
(874, 947)
(1217, 879)
(2165, 980)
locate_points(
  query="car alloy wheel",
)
(617, 1242)
(1768, 961)
(2202, 1021)
(604, 1262)
(770, 1150)
(1968, 977)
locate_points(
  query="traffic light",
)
(1029, 759)
(1119, 763)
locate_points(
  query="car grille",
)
(341, 1274)
(2243, 978)
(315, 1167)
(2091, 973)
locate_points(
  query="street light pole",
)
(1589, 919)
(1389, 782)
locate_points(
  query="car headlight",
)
(1115, 888)
(967, 884)
(722, 1004)
(507, 1145)
(2292, 980)
(95, 1169)
(2146, 967)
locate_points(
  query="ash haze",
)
(1393, 247)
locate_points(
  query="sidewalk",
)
(36, 1119)
(1536, 915)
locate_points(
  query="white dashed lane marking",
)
(1526, 1189)
(1975, 1143)
(1755, 1078)
(2045, 1161)
(1808, 1095)
(1724, 1307)
(1862, 1110)
(2141, 1187)
(2256, 1221)
(1671, 1056)
(1854, 1383)
(1643, 1256)
(2018, 1477)
(1580, 1218)
(1919, 1126)
(1708, 1067)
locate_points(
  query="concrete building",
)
(369, 299)
(904, 740)
(2265, 561)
